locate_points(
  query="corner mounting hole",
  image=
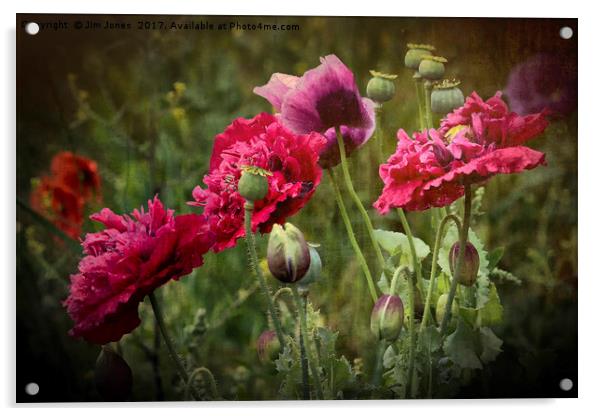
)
(32, 28)
(566, 32)
(566, 384)
(32, 389)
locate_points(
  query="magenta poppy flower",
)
(543, 81)
(475, 142)
(322, 99)
(263, 142)
(128, 260)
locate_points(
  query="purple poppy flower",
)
(543, 81)
(322, 99)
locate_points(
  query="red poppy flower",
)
(77, 173)
(126, 261)
(265, 143)
(59, 205)
(476, 141)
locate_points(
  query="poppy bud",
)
(387, 318)
(415, 53)
(113, 376)
(315, 270)
(381, 87)
(468, 275)
(268, 346)
(441, 302)
(446, 96)
(288, 253)
(432, 67)
(253, 184)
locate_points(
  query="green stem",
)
(170, 348)
(417, 82)
(460, 263)
(209, 376)
(358, 252)
(378, 366)
(379, 135)
(304, 369)
(249, 236)
(427, 302)
(415, 262)
(411, 329)
(428, 87)
(302, 312)
(357, 200)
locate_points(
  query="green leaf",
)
(490, 345)
(389, 357)
(494, 257)
(430, 338)
(461, 347)
(396, 243)
(342, 376)
(469, 315)
(492, 313)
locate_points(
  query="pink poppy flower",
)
(323, 98)
(265, 143)
(475, 142)
(128, 260)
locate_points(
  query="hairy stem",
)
(357, 200)
(440, 231)
(415, 261)
(460, 263)
(428, 87)
(358, 251)
(249, 236)
(411, 329)
(417, 82)
(302, 312)
(170, 347)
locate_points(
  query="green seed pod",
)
(446, 96)
(288, 253)
(381, 87)
(112, 375)
(432, 67)
(386, 320)
(253, 184)
(315, 270)
(468, 275)
(268, 346)
(415, 54)
(441, 302)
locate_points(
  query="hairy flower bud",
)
(253, 184)
(441, 302)
(432, 67)
(387, 318)
(446, 97)
(315, 270)
(268, 346)
(415, 53)
(288, 253)
(381, 87)
(113, 376)
(468, 275)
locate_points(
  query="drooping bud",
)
(253, 184)
(268, 346)
(432, 67)
(467, 276)
(415, 53)
(315, 270)
(288, 253)
(113, 376)
(387, 318)
(446, 96)
(381, 87)
(441, 302)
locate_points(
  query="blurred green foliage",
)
(146, 106)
